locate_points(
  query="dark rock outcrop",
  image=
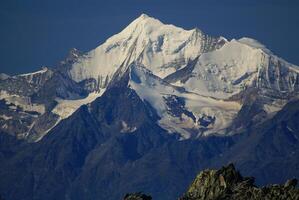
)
(137, 196)
(228, 184)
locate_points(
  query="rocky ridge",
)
(228, 184)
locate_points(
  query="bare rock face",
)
(227, 183)
(137, 196)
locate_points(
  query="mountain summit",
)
(145, 111)
(210, 78)
(209, 70)
(162, 48)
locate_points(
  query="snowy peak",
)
(143, 15)
(162, 48)
(143, 21)
(237, 65)
(254, 44)
(196, 83)
(145, 26)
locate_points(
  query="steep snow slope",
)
(188, 114)
(217, 73)
(237, 66)
(223, 68)
(196, 83)
(255, 44)
(203, 65)
(162, 48)
(65, 108)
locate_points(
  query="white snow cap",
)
(254, 43)
(160, 47)
(209, 70)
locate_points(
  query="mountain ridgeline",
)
(145, 111)
(228, 184)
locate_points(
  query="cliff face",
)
(228, 183)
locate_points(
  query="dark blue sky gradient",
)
(34, 33)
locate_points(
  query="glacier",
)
(198, 84)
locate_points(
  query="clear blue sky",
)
(41, 32)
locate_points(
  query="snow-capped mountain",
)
(222, 69)
(208, 67)
(163, 49)
(197, 84)
(240, 64)
(145, 111)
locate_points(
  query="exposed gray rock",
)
(228, 184)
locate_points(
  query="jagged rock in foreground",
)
(137, 196)
(227, 183)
